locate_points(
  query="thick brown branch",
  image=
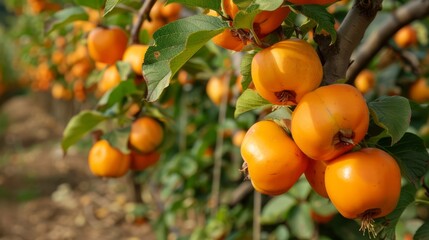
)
(142, 15)
(404, 15)
(336, 57)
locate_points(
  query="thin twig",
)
(404, 15)
(217, 168)
(257, 204)
(137, 188)
(142, 15)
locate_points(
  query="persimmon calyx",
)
(367, 223)
(343, 138)
(286, 96)
(245, 170)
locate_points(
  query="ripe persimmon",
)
(171, 11)
(107, 161)
(237, 138)
(274, 162)
(329, 121)
(217, 88)
(365, 184)
(265, 22)
(140, 161)
(152, 26)
(315, 175)
(405, 37)
(107, 45)
(134, 55)
(365, 81)
(146, 134)
(419, 91)
(229, 39)
(109, 80)
(286, 71)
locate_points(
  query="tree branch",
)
(141, 16)
(402, 16)
(336, 57)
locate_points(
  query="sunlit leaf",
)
(250, 100)
(212, 4)
(276, 209)
(118, 138)
(64, 17)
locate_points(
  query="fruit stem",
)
(422, 201)
(256, 38)
(143, 14)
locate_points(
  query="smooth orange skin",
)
(287, 65)
(363, 180)
(405, 37)
(321, 114)
(134, 55)
(152, 26)
(365, 81)
(322, 219)
(419, 91)
(265, 22)
(274, 161)
(107, 161)
(171, 11)
(315, 175)
(109, 80)
(217, 88)
(317, 2)
(140, 162)
(146, 134)
(228, 40)
(107, 45)
(237, 138)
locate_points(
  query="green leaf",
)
(268, 5)
(64, 17)
(423, 232)
(118, 138)
(276, 210)
(244, 18)
(80, 125)
(318, 13)
(110, 5)
(411, 154)
(212, 4)
(392, 113)
(124, 89)
(124, 69)
(300, 221)
(388, 223)
(250, 100)
(301, 189)
(95, 4)
(245, 70)
(175, 43)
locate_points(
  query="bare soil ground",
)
(44, 195)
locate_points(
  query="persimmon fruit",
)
(107, 45)
(364, 184)
(315, 175)
(216, 89)
(110, 79)
(274, 162)
(284, 72)
(107, 161)
(139, 162)
(329, 121)
(146, 134)
(365, 81)
(134, 55)
(419, 91)
(405, 37)
(229, 39)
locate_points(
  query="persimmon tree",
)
(218, 68)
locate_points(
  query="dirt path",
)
(46, 196)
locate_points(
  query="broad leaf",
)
(276, 210)
(110, 5)
(268, 5)
(175, 43)
(422, 232)
(95, 4)
(244, 18)
(80, 125)
(118, 138)
(250, 100)
(388, 223)
(245, 70)
(325, 21)
(124, 69)
(64, 17)
(392, 113)
(212, 4)
(124, 89)
(300, 222)
(411, 154)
